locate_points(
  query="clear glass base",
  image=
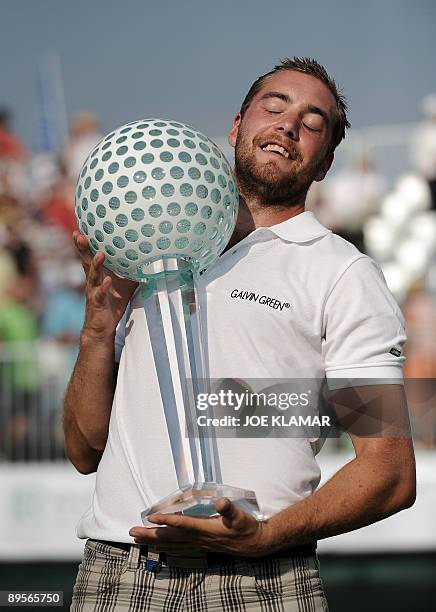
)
(199, 500)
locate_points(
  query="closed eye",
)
(313, 122)
(311, 129)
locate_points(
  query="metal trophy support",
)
(159, 198)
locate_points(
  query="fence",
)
(33, 377)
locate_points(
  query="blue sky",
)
(194, 60)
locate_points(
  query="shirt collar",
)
(301, 228)
(304, 227)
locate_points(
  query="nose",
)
(289, 124)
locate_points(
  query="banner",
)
(41, 504)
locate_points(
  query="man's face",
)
(282, 142)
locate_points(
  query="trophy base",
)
(199, 500)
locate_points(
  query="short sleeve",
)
(363, 328)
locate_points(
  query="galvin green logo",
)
(259, 298)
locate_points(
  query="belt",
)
(213, 559)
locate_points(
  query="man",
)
(342, 323)
(11, 148)
(423, 149)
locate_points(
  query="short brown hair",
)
(313, 68)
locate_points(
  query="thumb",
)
(228, 511)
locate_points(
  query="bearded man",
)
(342, 324)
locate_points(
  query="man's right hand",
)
(107, 295)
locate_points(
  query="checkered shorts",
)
(111, 579)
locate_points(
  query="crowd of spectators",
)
(42, 282)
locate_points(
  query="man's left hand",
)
(234, 532)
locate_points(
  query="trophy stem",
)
(196, 342)
(177, 342)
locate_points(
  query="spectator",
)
(423, 151)
(420, 312)
(25, 263)
(8, 270)
(11, 147)
(420, 367)
(18, 331)
(350, 197)
(65, 308)
(85, 135)
(12, 157)
(57, 207)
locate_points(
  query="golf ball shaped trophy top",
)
(159, 199)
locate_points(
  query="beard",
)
(267, 182)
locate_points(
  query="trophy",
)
(159, 199)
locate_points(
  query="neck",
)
(252, 215)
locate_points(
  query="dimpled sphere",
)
(156, 188)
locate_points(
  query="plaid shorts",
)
(111, 579)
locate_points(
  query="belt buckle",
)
(153, 562)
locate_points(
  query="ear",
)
(234, 131)
(325, 167)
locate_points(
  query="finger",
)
(94, 276)
(224, 506)
(187, 523)
(154, 535)
(80, 242)
(103, 290)
(82, 249)
(228, 511)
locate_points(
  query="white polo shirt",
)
(322, 310)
